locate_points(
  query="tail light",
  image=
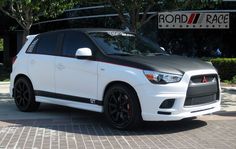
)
(14, 59)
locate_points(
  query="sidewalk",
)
(4, 87)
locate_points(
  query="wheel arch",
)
(123, 83)
(21, 75)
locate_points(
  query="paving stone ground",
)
(76, 133)
(60, 127)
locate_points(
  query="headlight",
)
(161, 78)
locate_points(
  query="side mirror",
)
(163, 48)
(83, 53)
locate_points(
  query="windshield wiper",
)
(156, 54)
(120, 54)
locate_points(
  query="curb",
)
(4, 83)
(229, 88)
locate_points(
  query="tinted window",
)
(47, 44)
(74, 41)
(32, 45)
(122, 43)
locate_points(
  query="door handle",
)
(60, 66)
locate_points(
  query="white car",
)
(126, 76)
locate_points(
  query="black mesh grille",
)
(202, 89)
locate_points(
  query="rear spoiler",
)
(31, 36)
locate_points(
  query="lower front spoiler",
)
(186, 113)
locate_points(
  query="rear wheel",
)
(24, 95)
(121, 107)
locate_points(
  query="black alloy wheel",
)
(122, 107)
(24, 95)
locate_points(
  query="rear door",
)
(76, 77)
(42, 63)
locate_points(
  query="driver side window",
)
(74, 41)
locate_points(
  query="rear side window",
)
(74, 41)
(47, 44)
(32, 46)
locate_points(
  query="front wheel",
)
(24, 95)
(121, 107)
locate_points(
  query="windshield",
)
(122, 43)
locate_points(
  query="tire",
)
(121, 107)
(24, 95)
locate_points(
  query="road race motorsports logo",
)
(178, 20)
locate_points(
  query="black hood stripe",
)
(163, 63)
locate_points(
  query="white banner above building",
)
(190, 20)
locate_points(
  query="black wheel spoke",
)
(26, 95)
(20, 101)
(121, 107)
(25, 91)
(21, 86)
(113, 98)
(124, 110)
(17, 96)
(22, 94)
(113, 112)
(23, 102)
(18, 90)
(119, 97)
(124, 102)
(118, 109)
(117, 116)
(122, 116)
(112, 105)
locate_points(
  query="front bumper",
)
(151, 97)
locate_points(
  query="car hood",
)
(163, 63)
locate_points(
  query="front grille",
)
(200, 100)
(200, 78)
(203, 89)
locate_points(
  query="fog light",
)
(167, 104)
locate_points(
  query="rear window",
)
(47, 44)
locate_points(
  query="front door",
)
(76, 79)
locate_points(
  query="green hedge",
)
(226, 67)
(1, 44)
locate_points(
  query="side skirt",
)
(72, 104)
(69, 101)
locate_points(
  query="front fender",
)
(108, 73)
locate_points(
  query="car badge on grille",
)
(204, 80)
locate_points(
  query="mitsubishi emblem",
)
(204, 80)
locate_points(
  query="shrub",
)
(1, 44)
(226, 67)
(234, 80)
